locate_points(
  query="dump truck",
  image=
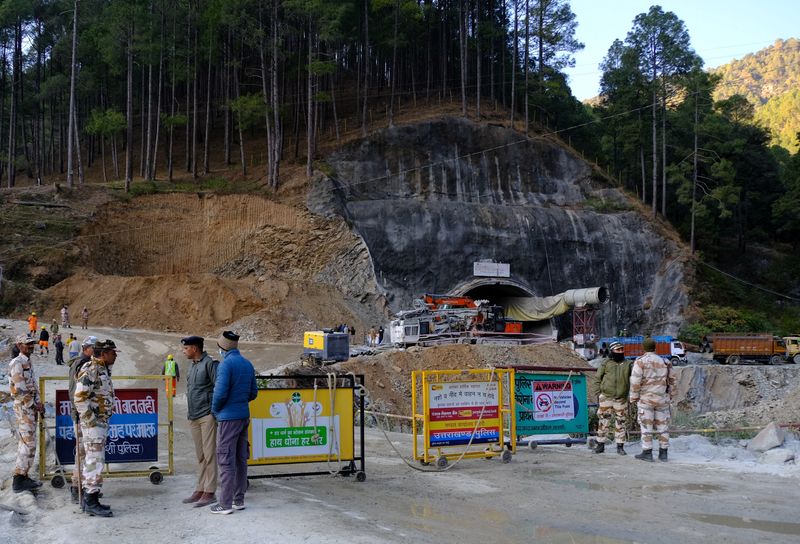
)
(325, 346)
(735, 348)
(666, 346)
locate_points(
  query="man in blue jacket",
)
(234, 388)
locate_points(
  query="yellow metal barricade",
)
(138, 409)
(460, 414)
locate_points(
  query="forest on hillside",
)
(167, 88)
(770, 80)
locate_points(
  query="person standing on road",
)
(234, 388)
(85, 318)
(652, 386)
(33, 324)
(172, 375)
(73, 348)
(65, 317)
(59, 347)
(199, 391)
(54, 328)
(94, 401)
(611, 384)
(75, 365)
(44, 341)
(27, 405)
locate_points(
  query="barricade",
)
(461, 410)
(308, 419)
(548, 403)
(132, 437)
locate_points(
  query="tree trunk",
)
(514, 64)
(478, 59)
(3, 73)
(526, 61)
(81, 178)
(142, 116)
(310, 112)
(366, 69)
(129, 113)
(694, 174)
(394, 61)
(277, 139)
(227, 98)
(12, 126)
(664, 154)
(157, 121)
(655, 141)
(206, 138)
(149, 120)
(241, 132)
(194, 107)
(70, 130)
(462, 40)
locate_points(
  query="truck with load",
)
(668, 347)
(735, 348)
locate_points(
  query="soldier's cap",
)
(228, 340)
(616, 346)
(193, 341)
(25, 339)
(88, 341)
(105, 345)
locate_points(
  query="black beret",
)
(192, 341)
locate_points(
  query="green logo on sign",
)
(295, 397)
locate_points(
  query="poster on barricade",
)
(301, 426)
(457, 410)
(132, 431)
(550, 404)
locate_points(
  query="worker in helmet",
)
(611, 384)
(172, 374)
(33, 325)
(44, 341)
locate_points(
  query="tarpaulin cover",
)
(534, 308)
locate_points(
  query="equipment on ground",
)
(326, 346)
(735, 348)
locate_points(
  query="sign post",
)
(550, 404)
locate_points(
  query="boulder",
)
(770, 437)
(777, 456)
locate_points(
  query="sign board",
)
(301, 426)
(492, 270)
(455, 409)
(132, 429)
(550, 404)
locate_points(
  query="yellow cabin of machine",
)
(326, 346)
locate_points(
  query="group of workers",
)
(647, 383)
(218, 396)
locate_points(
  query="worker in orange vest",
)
(172, 374)
(33, 323)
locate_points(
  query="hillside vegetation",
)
(769, 79)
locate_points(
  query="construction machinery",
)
(325, 346)
(448, 319)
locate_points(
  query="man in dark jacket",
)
(199, 390)
(234, 388)
(611, 383)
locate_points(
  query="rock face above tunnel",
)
(432, 198)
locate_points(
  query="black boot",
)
(601, 447)
(621, 449)
(85, 495)
(662, 455)
(646, 455)
(23, 483)
(94, 508)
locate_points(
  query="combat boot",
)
(662, 455)
(646, 455)
(601, 447)
(23, 483)
(85, 495)
(94, 508)
(621, 449)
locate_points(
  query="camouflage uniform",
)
(611, 385)
(94, 401)
(75, 365)
(25, 393)
(652, 385)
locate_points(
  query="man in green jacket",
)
(611, 384)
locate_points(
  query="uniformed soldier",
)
(652, 386)
(75, 365)
(27, 405)
(611, 383)
(94, 401)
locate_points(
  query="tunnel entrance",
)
(496, 290)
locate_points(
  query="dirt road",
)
(552, 495)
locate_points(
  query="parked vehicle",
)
(666, 346)
(326, 346)
(735, 348)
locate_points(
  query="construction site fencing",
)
(308, 419)
(133, 433)
(462, 414)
